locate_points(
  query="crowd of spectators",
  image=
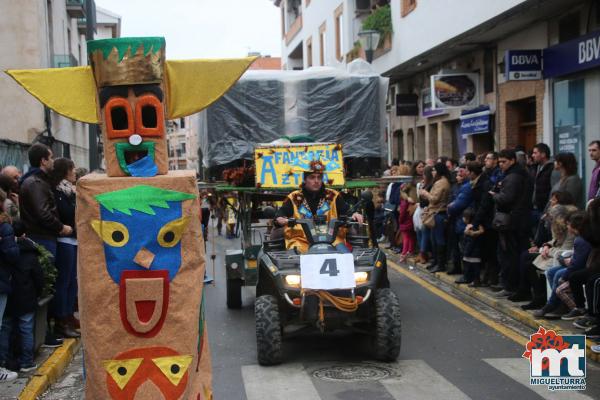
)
(516, 222)
(38, 257)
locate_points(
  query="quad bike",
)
(367, 305)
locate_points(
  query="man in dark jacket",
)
(27, 284)
(36, 201)
(492, 171)
(542, 180)
(512, 197)
(461, 200)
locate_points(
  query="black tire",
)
(388, 332)
(268, 330)
(234, 293)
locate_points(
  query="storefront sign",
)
(407, 104)
(475, 121)
(572, 56)
(522, 65)
(455, 90)
(426, 107)
(569, 138)
(283, 166)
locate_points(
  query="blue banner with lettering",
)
(572, 56)
(475, 121)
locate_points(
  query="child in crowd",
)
(27, 283)
(9, 256)
(471, 245)
(406, 227)
(379, 217)
(577, 261)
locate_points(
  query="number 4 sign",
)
(327, 271)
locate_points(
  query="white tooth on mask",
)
(135, 139)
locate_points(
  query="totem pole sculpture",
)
(141, 256)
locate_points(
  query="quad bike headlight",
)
(292, 280)
(361, 277)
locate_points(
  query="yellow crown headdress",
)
(191, 85)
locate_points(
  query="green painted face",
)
(122, 149)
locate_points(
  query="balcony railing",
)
(76, 8)
(64, 60)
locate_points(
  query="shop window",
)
(569, 119)
(568, 27)
(407, 7)
(488, 70)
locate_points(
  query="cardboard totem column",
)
(141, 256)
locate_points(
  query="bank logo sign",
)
(523, 65)
(556, 361)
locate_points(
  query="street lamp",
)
(369, 40)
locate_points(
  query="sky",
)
(203, 28)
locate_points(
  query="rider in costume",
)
(313, 199)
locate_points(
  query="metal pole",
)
(369, 54)
(90, 22)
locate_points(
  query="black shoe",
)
(593, 331)
(585, 322)
(533, 305)
(437, 268)
(462, 280)
(52, 341)
(520, 296)
(496, 288)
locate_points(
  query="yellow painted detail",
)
(170, 234)
(122, 370)
(68, 91)
(283, 166)
(251, 264)
(113, 233)
(173, 367)
(193, 85)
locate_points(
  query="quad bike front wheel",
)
(268, 330)
(387, 330)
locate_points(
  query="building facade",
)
(43, 34)
(182, 142)
(514, 101)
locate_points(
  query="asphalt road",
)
(446, 353)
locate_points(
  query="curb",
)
(501, 305)
(50, 370)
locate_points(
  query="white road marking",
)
(518, 370)
(287, 381)
(419, 381)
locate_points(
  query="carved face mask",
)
(130, 89)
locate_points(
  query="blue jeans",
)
(438, 233)
(25, 325)
(66, 281)
(424, 239)
(553, 276)
(3, 298)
